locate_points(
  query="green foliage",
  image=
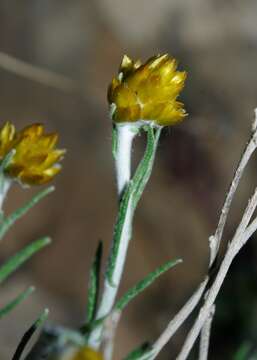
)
(17, 260)
(145, 166)
(16, 215)
(114, 141)
(139, 352)
(29, 333)
(94, 283)
(245, 352)
(6, 160)
(16, 301)
(143, 284)
(122, 215)
(131, 294)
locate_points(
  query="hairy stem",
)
(125, 136)
(130, 192)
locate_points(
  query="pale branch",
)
(215, 239)
(37, 74)
(241, 236)
(250, 230)
(109, 331)
(205, 335)
(178, 320)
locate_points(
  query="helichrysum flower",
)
(87, 353)
(36, 157)
(147, 91)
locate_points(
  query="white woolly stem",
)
(125, 135)
(5, 186)
(110, 290)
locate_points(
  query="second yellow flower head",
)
(36, 158)
(86, 353)
(147, 91)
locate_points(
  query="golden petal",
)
(128, 68)
(38, 178)
(33, 130)
(50, 140)
(137, 64)
(126, 64)
(152, 92)
(179, 78)
(172, 113)
(152, 110)
(166, 71)
(127, 114)
(53, 157)
(137, 78)
(114, 84)
(157, 61)
(87, 353)
(124, 96)
(7, 133)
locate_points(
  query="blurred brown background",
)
(216, 42)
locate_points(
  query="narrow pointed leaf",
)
(16, 215)
(114, 141)
(16, 301)
(94, 283)
(143, 284)
(7, 159)
(28, 334)
(124, 209)
(139, 352)
(17, 260)
(145, 167)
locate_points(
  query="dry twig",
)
(37, 74)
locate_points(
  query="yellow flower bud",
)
(147, 92)
(35, 160)
(87, 353)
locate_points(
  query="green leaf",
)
(94, 283)
(243, 352)
(142, 350)
(28, 334)
(132, 293)
(17, 260)
(145, 167)
(122, 215)
(114, 140)
(6, 160)
(143, 284)
(16, 301)
(16, 215)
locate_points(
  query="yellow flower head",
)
(35, 160)
(87, 353)
(147, 91)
